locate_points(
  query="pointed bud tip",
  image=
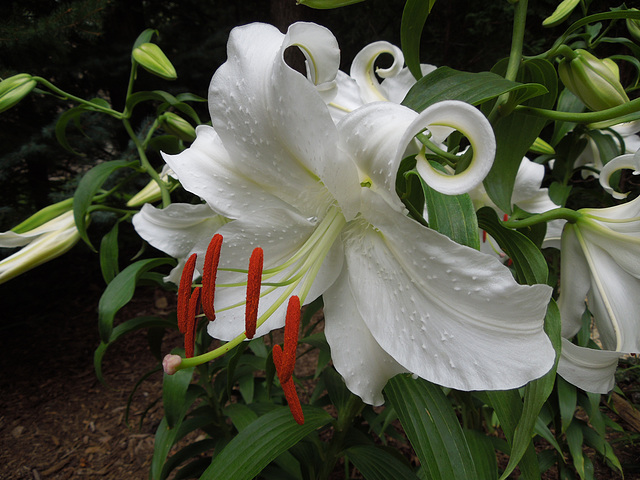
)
(171, 363)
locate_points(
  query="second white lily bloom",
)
(276, 172)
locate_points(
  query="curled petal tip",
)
(170, 363)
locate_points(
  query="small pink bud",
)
(170, 363)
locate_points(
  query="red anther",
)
(209, 274)
(294, 402)
(192, 323)
(484, 236)
(184, 290)
(505, 217)
(291, 330)
(254, 280)
(288, 385)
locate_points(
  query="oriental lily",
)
(319, 199)
(601, 261)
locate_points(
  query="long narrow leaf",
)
(414, 16)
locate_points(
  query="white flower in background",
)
(362, 85)
(629, 161)
(601, 262)
(320, 200)
(590, 156)
(39, 245)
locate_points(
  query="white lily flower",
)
(320, 200)
(41, 244)
(630, 161)
(601, 262)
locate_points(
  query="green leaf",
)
(377, 463)
(483, 453)
(120, 291)
(174, 391)
(535, 395)
(530, 265)
(144, 37)
(88, 187)
(432, 427)
(262, 442)
(414, 16)
(451, 215)
(122, 329)
(241, 416)
(61, 126)
(475, 88)
(567, 402)
(109, 255)
(516, 132)
(193, 450)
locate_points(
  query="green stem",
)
(515, 56)
(132, 77)
(166, 199)
(556, 214)
(346, 415)
(82, 101)
(609, 114)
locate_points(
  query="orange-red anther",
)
(484, 236)
(192, 323)
(291, 330)
(505, 217)
(184, 291)
(288, 386)
(209, 274)
(254, 280)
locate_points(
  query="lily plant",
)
(318, 198)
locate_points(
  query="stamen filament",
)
(184, 291)
(209, 274)
(254, 279)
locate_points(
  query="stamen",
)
(484, 236)
(505, 217)
(291, 330)
(209, 274)
(184, 290)
(288, 385)
(254, 281)
(192, 323)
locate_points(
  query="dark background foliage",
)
(83, 46)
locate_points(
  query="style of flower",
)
(600, 262)
(39, 245)
(319, 199)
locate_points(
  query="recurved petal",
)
(363, 70)
(446, 312)
(178, 230)
(574, 282)
(356, 355)
(272, 121)
(628, 161)
(474, 125)
(586, 368)
(396, 88)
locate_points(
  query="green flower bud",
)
(633, 25)
(541, 147)
(596, 82)
(178, 126)
(43, 216)
(561, 13)
(14, 89)
(154, 61)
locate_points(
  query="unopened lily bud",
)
(14, 89)
(541, 147)
(561, 13)
(178, 126)
(633, 25)
(151, 191)
(153, 59)
(596, 82)
(44, 243)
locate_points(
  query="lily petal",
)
(630, 161)
(178, 230)
(356, 355)
(442, 310)
(586, 368)
(364, 73)
(474, 125)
